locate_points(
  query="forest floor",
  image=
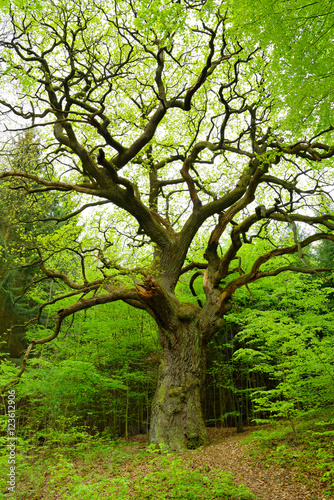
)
(228, 451)
(133, 470)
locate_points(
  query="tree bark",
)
(177, 422)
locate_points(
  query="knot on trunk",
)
(187, 312)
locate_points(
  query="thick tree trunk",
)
(177, 421)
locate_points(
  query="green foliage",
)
(311, 456)
(298, 34)
(96, 471)
(274, 357)
(98, 377)
(292, 347)
(176, 481)
(272, 360)
(22, 227)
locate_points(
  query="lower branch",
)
(121, 294)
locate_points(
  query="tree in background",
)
(161, 112)
(17, 209)
(22, 216)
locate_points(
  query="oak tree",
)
(160, 110)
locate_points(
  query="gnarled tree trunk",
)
(177, 421)
(184, 328)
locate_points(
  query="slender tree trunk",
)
(177, 422)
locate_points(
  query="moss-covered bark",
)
(177, 422)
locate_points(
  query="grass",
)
(92, 468)
(117, 470)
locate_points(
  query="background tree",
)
(22, 222)
(162, 112)
(14, 208)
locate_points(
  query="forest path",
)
(227, 451)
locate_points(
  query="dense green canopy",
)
(297, 37)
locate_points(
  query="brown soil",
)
(227, 451)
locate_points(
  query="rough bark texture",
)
(177, 421)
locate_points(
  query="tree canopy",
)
(161, 113)
(299, 36)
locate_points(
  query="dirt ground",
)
(228, 452)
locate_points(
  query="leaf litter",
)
(228, 451)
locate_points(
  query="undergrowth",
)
(117, 470)
(305, 446)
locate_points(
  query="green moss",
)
(177, 391)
